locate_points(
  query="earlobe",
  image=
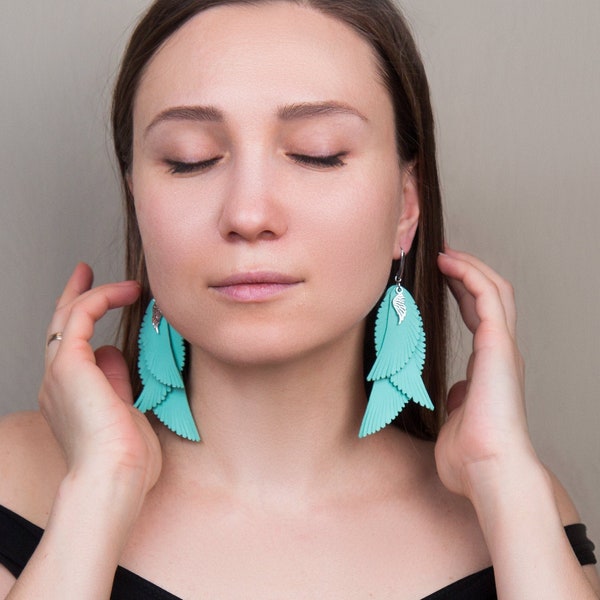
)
(409, 218)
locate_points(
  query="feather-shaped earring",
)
(400, 351)
(160, 364)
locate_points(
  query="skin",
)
(281, 478)
(258, 209)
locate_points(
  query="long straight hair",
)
(382, 25)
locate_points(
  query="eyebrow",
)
(306, 110)
(290, 112)
(187, 113)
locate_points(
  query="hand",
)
(86, 397)
(486, 423)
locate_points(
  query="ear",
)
(409, 218)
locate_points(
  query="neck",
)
(284, 429)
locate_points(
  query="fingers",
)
(72, 373)
(482, 295)
(112, 364)
(80, 281)
(466, 303)
(503, 287)
(93, 305)
(487, 306)
(79, 307)
(456, 396)
(78, 319)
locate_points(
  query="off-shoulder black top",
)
(19, 539)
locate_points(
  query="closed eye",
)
(323, 162)
(178, 167)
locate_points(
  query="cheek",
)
(360, 241)
(366, 220)
(171, 233)
(359, 247)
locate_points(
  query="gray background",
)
(516, 90)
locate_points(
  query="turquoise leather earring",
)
(160, 364)
(400, 351)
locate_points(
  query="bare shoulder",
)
(31, 465)
(441, 519)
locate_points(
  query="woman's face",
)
(266, 181)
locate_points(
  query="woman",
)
(278, 163)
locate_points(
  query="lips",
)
(255, 286)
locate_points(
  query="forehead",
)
(264, 55)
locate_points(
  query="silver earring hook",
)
(400, 273)
(156, 317)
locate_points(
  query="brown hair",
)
(383, 26)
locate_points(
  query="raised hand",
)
(486, 424)
(86, 397)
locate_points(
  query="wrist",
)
(518, 513)
(95, 511)
(510, 489)
(103, 500)
(89, 525)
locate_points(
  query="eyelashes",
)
(183, 168)
(333, 160)
(307, 160)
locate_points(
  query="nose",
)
(252, 209)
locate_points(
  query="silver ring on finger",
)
(55, 337)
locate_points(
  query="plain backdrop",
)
(516, 91)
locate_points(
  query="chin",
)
(272, 346)
(261, 351)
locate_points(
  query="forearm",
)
(519, 516)
(89, 524)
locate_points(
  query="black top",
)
(19, 539)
